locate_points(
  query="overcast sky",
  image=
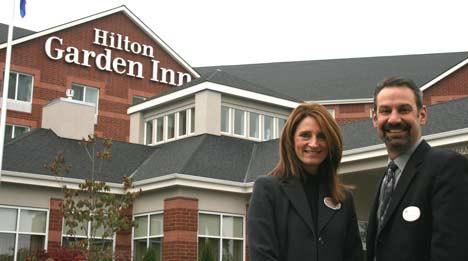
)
(219, 32)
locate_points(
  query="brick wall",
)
(53, 77)
(454, 86)
(123, 240)
(180, 229)
(55, 224)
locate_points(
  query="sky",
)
(220, 32)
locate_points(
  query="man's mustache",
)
(399, 126)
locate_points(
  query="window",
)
(192, 120)
(281, 123)
(138, 99)
(148, 234)
(225, 119)
(221, 235)
(27, 227)
(20, 87)
(170, 126)
(254, 125)
(267, 127)
(249, 124)
(239, 122)
(86, 94)
(149, 132)
(83, 231)
(13, 131)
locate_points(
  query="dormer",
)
(216, 103)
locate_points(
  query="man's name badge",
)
(329, 203)
(411, 213)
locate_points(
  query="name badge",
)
(411, 213)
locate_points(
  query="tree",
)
(91, 209)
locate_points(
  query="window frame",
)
(85, 87)
(113, 238)
(17, 231)
(165, 118)
(17, 74)
(13, 128)
(148, 229)
(221, 237)
(247, 111)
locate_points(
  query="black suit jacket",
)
(436, 182)
(280, 226)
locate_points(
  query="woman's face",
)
(310, 144)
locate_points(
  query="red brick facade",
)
(51, 77)
(180, 229)
(55, 224)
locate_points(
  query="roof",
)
(30, 152)
(340, 79)
(209, 156)
(362, 134)
(223, 82)
(18, 32)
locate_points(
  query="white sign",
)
(111, 62)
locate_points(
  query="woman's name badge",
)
(329, 203)
(411, 213)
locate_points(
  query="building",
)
(200, 137)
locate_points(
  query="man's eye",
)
(384, 111)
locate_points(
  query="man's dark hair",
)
(399, 82)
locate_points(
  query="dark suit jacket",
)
(436, 182)
(280, 225)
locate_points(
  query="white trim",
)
(51, 181)
(129, 14)
(443, 75)
(214, 87)
(437, 139)
(177, 179)
(343, 101)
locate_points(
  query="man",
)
(420, 212)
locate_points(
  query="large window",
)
(148, 236)
(250, 124)
(86, 94)
(13, 131)
(83, 231)
(20, 87)
(221, 236)
(170, 126)
(23, 232)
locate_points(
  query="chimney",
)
(69, 118)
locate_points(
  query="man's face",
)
(397, 119)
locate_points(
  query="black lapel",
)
(372, 225)
(409, 172)
(324, 213)
(295, 192)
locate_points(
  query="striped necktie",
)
(386, 191)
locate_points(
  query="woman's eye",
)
(321, 136)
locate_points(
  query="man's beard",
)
(401, 146)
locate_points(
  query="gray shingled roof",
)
(361, 133)
(218, 157)
(18, 32)
(31, 151)
(221, 77)
(335, 79)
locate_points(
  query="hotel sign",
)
(110, 61)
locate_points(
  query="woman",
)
(301, 211)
